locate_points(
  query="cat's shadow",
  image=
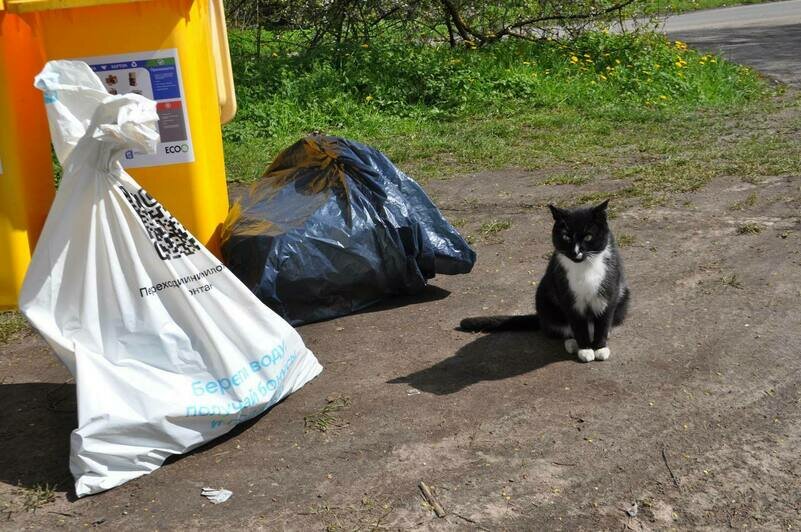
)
(489, 357)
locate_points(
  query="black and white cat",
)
(583, 293)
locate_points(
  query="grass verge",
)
(11, 324)
(683, 6)
(438, 111)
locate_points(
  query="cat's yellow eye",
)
(587, 237)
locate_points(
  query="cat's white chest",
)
(585, 279)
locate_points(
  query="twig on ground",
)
(471, 521)
(670, 470)
(431, 500)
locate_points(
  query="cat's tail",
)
(528, 322)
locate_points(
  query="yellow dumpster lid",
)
(25, 6)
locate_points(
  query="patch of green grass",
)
(732, 281)
(681, 153)
(748, 202)
(11, 324)
(494, 227)
(683, 6)
(37, 496)
(326, 418)
(625, 240)
(749, 228)
(567, 179)
(439, 112)
(764, 155)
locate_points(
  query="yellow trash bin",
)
(173, 51)
(26, 173)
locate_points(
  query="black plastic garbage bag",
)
(334, 227)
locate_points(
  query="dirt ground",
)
(696, 417)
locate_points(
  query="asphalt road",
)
(766, 37)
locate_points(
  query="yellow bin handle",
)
(222, 61)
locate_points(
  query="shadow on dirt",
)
(490, 357)
(427, 295)
(37, 419)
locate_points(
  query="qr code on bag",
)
(167, 234)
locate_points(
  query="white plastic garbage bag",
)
(168, 349)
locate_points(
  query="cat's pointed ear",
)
(600, 210)
(556, 211)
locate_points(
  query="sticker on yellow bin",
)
(155, 75)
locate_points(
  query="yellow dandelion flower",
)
(602, 77)
(365, 45)
(713, 60)
(663, 97)
(574, 59)
(368, 98)
(526, 62)
(587, 55)
(617, 61)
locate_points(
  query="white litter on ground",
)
(216, 496)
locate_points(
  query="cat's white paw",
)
(586, 355)
(602, 353)
(571, 346)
